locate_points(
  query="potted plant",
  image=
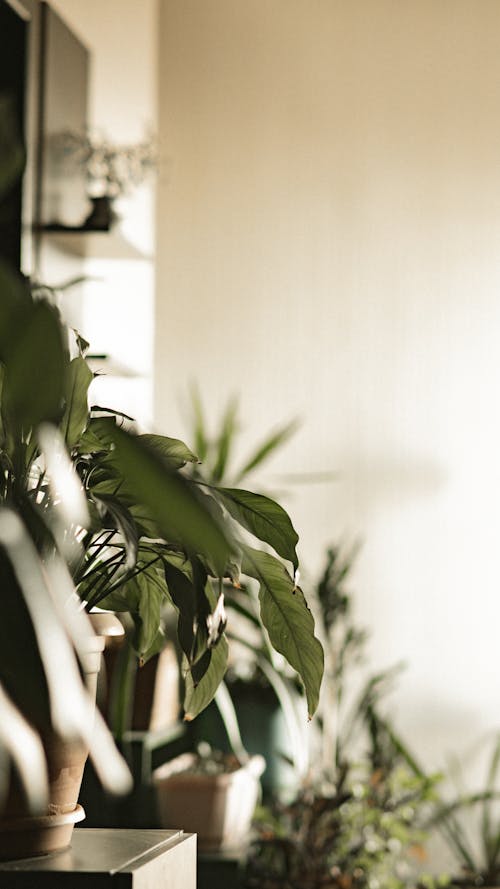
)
(46, 709)
(470, 826)
(268, 701)
(359, 817)
(212, 794)
(141, 536)
(111, 170)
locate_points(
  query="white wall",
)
(117, 312)
(328, 246)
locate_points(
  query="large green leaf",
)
(143, 595)
(288, 620)
(152, 597)
(14, 303)
(183, 595)
(11, 150)
(264, 518)
(36, 363)
(190, 594)
(175, 453)
(90, 443)
(199, 694)
(170, 499)
(77, 411)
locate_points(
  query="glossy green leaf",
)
(175, 453)
(198, 695)
(76, 414)
(183, 595)
(171, 500)
(264, 518)
(288, 620)
(190, 594)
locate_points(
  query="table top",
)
(96, 857)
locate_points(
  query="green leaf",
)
(114, 514)
(288, 620)
(103, 427)
(189, 593)
(183, 595)
(225, 440)
(15, 302)
(77, 411)
(11, 151)
(267, 448)
(200, 438)
(152, 594)
(169, 498)
(143, 595)
(198, 696)
(90, 443)
(157, 646)
(175, 453)
(264, 518)
(36, 364)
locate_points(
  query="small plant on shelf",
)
(111, 169)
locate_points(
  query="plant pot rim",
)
(178, 771)
(40, 822)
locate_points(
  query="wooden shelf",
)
(93, 244)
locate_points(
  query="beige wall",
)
(328, 246)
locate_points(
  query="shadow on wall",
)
(387, 480)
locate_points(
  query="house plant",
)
(44, 702)
(469, 824)
(211, 794)
(141, 535)
(359, 816)
(268, 702)
(111, 170)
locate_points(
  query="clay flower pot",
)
(23, 835)
(218, 807)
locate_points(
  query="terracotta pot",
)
(22, 835)
(155, 703)
(219, 808)
(28, 837)
(66, 760)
